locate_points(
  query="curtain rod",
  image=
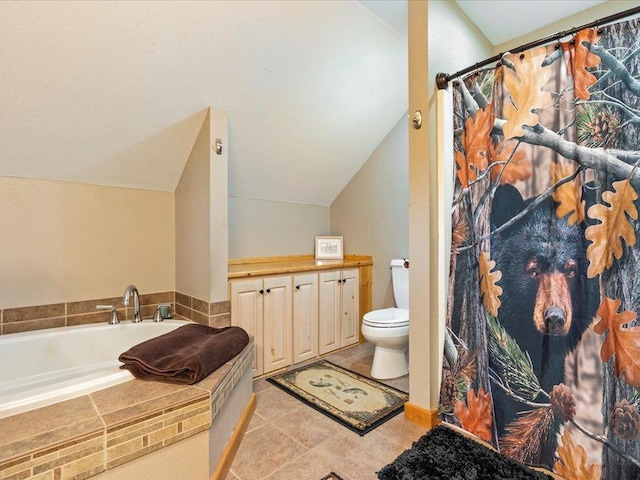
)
(443, 79)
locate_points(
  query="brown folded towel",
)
(186, 355)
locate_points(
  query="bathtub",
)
(47, 366)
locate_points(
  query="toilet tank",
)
(400, 282)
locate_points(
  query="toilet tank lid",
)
(399, 262)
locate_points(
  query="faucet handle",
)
(158, 316)
(114, 315)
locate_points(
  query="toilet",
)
(388, 328)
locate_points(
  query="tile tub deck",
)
(87, 435)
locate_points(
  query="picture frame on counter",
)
(329, 248)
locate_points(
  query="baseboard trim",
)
(222, 469)
(422, 416)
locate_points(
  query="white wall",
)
(592, 14)
(372, 212)
(193, 276)
(201, 215)
(259, 228)
(219, 204)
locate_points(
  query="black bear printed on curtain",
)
(542, 346)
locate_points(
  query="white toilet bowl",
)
(388, 330)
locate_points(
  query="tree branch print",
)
(567, 138)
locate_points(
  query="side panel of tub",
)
(203, 450)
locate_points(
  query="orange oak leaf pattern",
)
(568, 196)
(516, 166)
(476, 140)
(476, 417)
(463, 170)
(606, 236)
(565, 129)
(572, 461)
(580, 59)
(525, 86)
(488, 288)
(621, 341)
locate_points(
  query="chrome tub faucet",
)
(131, 289)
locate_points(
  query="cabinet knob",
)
(268, 290)
(297, 287)
(261, 292)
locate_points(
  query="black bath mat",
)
(444, 454)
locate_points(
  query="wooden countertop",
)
(253, 267)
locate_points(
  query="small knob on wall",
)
(417, 119)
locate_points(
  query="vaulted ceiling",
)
(114, 93)
(502, 21)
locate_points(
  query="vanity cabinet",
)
(339, 322)
(262, 307)
(305, 317)
(298, 308)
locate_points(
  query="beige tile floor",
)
(288, 440)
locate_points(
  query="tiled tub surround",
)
(14, 320)
(127, 423)
(217, 314)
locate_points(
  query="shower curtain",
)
(542, 342)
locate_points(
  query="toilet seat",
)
(387, 318)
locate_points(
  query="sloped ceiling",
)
(114, 93)
(502, 21)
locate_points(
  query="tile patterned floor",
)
(289, 440)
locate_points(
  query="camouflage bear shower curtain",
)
(542, 345)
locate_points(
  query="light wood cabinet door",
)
(329, 331)
(277, 322)
(305, 317)
(247, 313)
(349, 318)
(295, 318)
